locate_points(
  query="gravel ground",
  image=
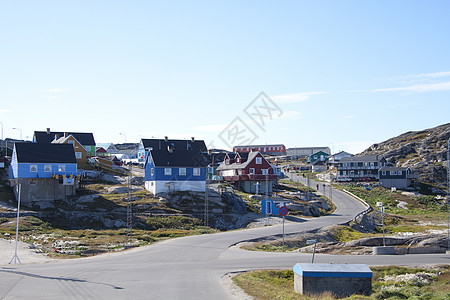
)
(24, 252)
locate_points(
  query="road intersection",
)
(182, 268)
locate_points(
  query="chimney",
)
(166, 138)
(56, 137)
(192, 139)
(48, 130)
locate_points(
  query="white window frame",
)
(182, 171)
(383, 173)
(251, 171)
(61, 168)
(167, 171)
(196, 171)
(33, 168)
(48, 168)
(399, 173)
(265, 171)
(78, 155)
(258, 160)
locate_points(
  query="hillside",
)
(423, 151)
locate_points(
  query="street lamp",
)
(20, 131)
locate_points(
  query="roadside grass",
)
(279, 284)
(424, 213)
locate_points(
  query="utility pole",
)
(308, 194)
(129, 211)
(16, 257)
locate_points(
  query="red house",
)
(249, 172)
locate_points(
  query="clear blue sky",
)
(345, 74)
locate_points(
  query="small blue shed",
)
(342, 280)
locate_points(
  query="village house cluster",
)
(52, 166)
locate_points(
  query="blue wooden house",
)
(175, 165)
(45, 172)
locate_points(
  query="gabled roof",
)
(106, 146)
(85, 138)
(162, 144)
(45, 153)
(243, 155)
(242, 165)
(342, 153)
(63, 140)
(178, 158)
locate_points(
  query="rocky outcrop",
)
(423, 151)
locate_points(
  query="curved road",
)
(183, 268)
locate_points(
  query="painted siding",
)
(22, 170)
(258, 167)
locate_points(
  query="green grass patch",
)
(389, 282)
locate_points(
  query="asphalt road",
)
(183, 268)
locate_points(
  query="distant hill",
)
(423, 151)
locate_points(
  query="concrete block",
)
(383, 250)
(342, 280)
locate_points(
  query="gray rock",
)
(87, 198)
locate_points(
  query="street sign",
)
(283, 211)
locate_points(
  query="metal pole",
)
(314, 251)
(16, 257)
(283, 233)
(382, 221)
(308, 186)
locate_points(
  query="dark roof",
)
(179, 158)
(394, 168)
(162, 144)
(45, 153)
(85, 138)
(242, 165)
(243, 155)
(367, 158)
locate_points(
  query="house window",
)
(152, 172)
(258, 160)
(196, 171)
(252, 170)
(182, 171)
(227, 161)
(78, 155)
(167, 171)
(61, 168)
(399, 172)
(47, 168)
(383, 173)
(33, 168)
(265, 171)
(393, 172)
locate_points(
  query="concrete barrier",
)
(383, 250)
